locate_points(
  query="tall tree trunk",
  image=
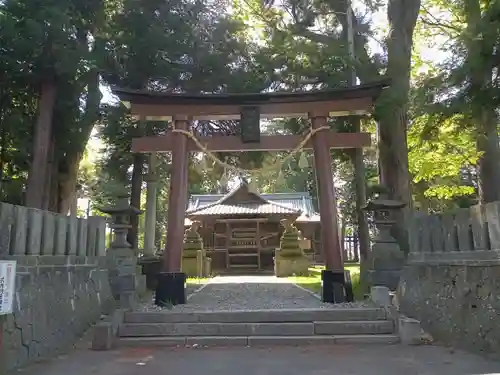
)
(73, 210)
(392, 109)
(135, 198)
(357, 156)
(363, 233)
(68, 178)
(41, 146)
(479, 48)
(345, 256)
(51, 184)
(3, 144)
(71, 163)
(489, 162)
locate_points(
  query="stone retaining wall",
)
(451, 282)
(62, 285)
(57, 299)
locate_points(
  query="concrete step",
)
(256, 329)
(259, 316)
(224, 341)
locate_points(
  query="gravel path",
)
(229, 293)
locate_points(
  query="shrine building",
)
(241, 230)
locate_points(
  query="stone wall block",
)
(81, 247)
(92, 231)
(48, 234)
(72, 236)
(464, 231)
(414, 232)
(480, 237)
(19, 231)
(492, 216)
(96, 239)
(56, 304)
(35, 225)
(450, 240)
(101, 237)
(425, 235)
(440, 296)
(61, 230)
(436, 231)
(6, 224)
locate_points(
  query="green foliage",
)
(455, 100)
(193, 46)
(181, 46)
(49, 41)
(442, 155)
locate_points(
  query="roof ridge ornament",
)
(243, 179)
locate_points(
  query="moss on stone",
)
(192, 241)
(195, 262)
(290, 241)
(290, 259)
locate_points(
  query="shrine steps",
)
(256, 328)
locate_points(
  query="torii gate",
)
(250, 108)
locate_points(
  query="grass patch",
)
(313, 281)
(197, 280)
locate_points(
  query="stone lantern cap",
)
(122, 208)
(382, 203)
(130, 210)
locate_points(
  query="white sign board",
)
(7, 287)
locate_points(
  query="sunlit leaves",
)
(456, 96)
(449, 192)
(440, 159)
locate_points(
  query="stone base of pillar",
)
(201, 266)
(385, 263)
(140, 286)
(336, 286)
(122, 267)
(290, 266)
(170, 289)
(151, 267)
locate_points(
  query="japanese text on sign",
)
(7, 287)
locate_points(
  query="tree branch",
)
(434, 22)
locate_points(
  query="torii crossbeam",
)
(166, 143)
(182, 108)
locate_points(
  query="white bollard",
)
(380, 296)
(410, 332)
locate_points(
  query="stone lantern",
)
(121, 258)
(386, 259)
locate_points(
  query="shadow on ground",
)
(314, 360)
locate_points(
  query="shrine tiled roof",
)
(243, 209)
(299, 203)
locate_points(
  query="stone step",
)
(256, 329)
(259, 316)
(224, 341)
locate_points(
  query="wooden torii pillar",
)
(181, 109)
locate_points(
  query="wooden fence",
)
(461, 235)
(28, 231)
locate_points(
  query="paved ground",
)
(250, 293)
(333, 360)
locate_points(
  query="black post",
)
(170, 289)
(336, 286)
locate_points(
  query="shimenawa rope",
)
(237, 170)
